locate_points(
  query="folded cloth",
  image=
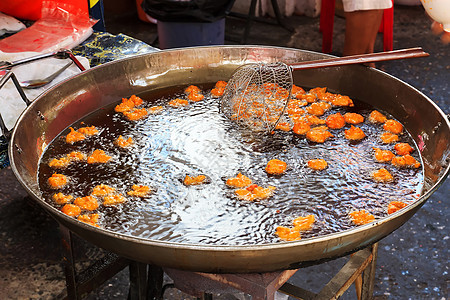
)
(9, 24)
(354, 5)
(11, 104)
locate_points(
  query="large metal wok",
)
(69, 101)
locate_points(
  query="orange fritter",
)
(383, 155)
(293, 233)
(281, 93)
(59, 163)
(295, 112)
(126, 105)
(403, 148)
(91, 219)
(318, 134)
(310, 98)
(178, 102)
(136, 100)
(239, 181)
(298, 118)
(221, 84)
(405, 161)
(393, 126)
(102, 190)
(317, 164)
(114, 199)
(283, 126)
(388, 137)
(136, 114)
(57, 181)
(341, 100)
(195, 97)
(74, 136)
(354, 133)
(325, 105)
(98, 156)
(192, 89)
(395, 206)
(353, 118)
(382, 175)
(328, 97)
(155, 110)
(335, 121)
(276, 167)
(87, 131)
(295, 106)
(87, 203)
(76, 156)
(297, 90)
(255, 192)
(377, 117)
(217, 91)
(191, 180)
(314, 120)
(123, 143)
(315, 109)
(60, 198)
(301, 128)
(304, 223)
(288, 233)
(318, 91)
(140, 191)
(361, 217)
(71, 210)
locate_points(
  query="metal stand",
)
(360, 269)
(79, 285)
(146, 281)
(251, 17)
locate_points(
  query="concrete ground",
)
(412, 263)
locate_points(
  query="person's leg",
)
(361, 30)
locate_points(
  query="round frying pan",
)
(73, 99)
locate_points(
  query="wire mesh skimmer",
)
(257, 94)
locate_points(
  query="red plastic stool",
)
(327, 22)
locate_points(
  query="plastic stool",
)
(327, 22)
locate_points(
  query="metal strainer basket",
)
(257, 95)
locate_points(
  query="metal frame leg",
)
(368, 280)
(251, 17)
(155, 288)
(93, 276)
(138, 281)
(69, 263)
(362, 262)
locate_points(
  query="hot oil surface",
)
(198, 139)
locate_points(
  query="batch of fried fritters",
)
(302, 118)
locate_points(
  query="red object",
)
(32, 9)
(22, 9)
(63, 24)
(327, 22)
(141, 13)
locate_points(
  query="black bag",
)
(203, 11)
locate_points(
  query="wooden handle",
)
(360, 59)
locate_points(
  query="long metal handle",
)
(63, 54)
(37, 83)
(360, 59)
